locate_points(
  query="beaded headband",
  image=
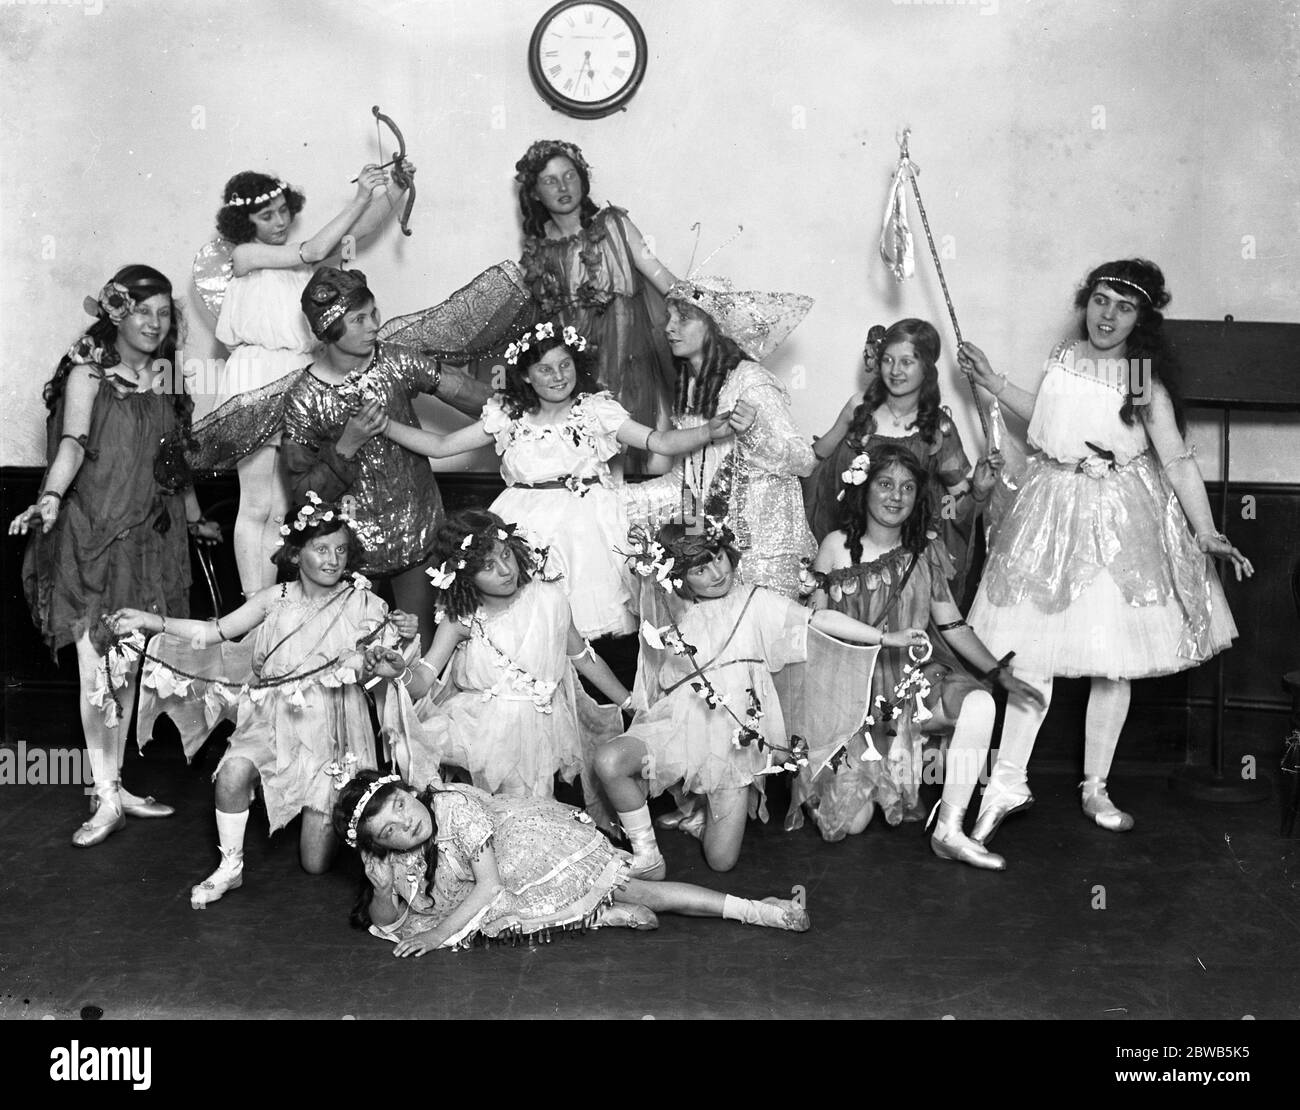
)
(371, 791)
(1107, 280)
(257, 202)
(545, 330)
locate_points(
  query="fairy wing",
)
(213, 271)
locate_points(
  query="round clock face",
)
(587, 57)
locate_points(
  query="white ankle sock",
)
(230, 832)
(640, 831)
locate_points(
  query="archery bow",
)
(399, 176)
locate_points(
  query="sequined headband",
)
(1105, 279)
(241, 202)
(371, 791)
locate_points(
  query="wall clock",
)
(587, 57)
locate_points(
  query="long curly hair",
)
(518, 395)
(142, 282)
(341, 816)
(853, 517)
(721, 356)
(929, 409)
(1147, 340)
(235, 221)
(462, 598)
(529, 168)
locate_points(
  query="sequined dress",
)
(583, 524)
(510, 709)
(290, 732)
(1094, 570)
(262, 324)
(944, 460)
(398, 507)
(557, 870)
(882, 593)
(119, 539)
(751, 479)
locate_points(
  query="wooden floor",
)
(1201, 919)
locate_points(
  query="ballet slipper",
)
(228, 876)
(949, 842)
(107, 819)
(622, 915)
(1098, 806)
(1006, 793)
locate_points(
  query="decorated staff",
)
(293, 688)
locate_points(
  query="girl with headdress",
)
(498, 694)
(901, 405)
(884, 566)
(451, 865)
(334, 413)
(116, 503)
(1094, 571)
(588, 267)
(556, 431)
(252, 277)
(293, 689)
(718, 337)
(709, 721)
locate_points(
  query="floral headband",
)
(856, 474)
(545, 330)
(371, 791)
(242, 202)
(443, 576)
(648, 556)
(315, 511)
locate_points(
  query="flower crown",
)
(443, 576)
(856, 474)
(545, 330)
(242, 202)
(314, 511)
(371, 791)
(648, 556)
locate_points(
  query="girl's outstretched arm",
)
(426, 671)
(963, 640)
(435, 445)
(843, 627)
(200, 633)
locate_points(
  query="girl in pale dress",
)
(293, 688)
(739, 637)
(884, 566)
(556, 432)
(1094, 571)
(261, 322)
(719, 336)
(497, 694)
(451, 865)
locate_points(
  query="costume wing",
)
(213, 272)
(473, 322)
(824, 701)
(195, 705)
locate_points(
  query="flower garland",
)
(116, 669)
(541, 692)
(545, 330)
(544, 280)
(649, 557)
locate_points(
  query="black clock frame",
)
(577, 108)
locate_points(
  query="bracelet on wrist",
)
(626, 703)
(998, 667)
(50, 493)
